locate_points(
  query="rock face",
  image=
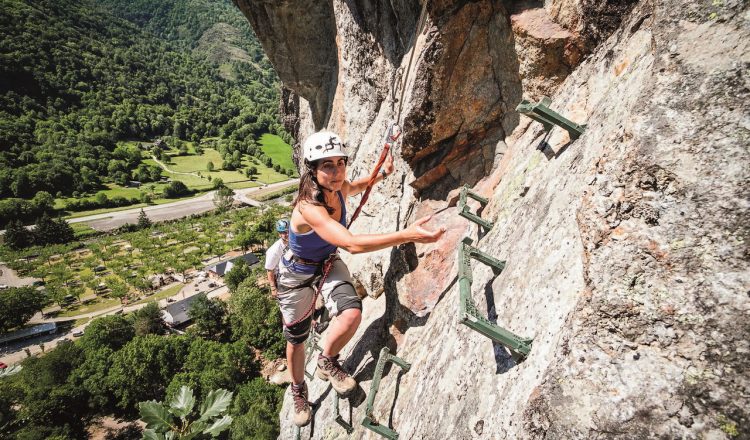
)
(626, 250)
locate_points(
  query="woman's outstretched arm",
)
(336, 234)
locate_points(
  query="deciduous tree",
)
(18, 305)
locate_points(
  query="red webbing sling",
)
(393, 134)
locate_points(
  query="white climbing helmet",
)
(323, 144)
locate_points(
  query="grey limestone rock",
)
(626, 250)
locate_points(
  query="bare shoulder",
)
(304, 215)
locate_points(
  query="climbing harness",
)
(326, 267)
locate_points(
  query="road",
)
(170, 211)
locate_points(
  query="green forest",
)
(123, 360)
(77, 77)
(112, 103)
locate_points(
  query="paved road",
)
(170, 211)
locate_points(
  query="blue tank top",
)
(310, 246)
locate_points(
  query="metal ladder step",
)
(463, 208)
(370, 422)
(469, 315)
(541, 113)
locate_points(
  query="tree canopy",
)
(18, 305)
(86, 74)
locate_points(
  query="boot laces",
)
(334, 368)
(300, 399)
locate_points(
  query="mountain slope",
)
(74, 79)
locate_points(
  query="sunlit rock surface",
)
(626, 250)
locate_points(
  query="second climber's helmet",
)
(282, 225)
(323, 144)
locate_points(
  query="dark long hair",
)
(309, 189)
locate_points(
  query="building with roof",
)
(176, 314)
(221, 268)
(47, 328)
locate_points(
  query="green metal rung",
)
(463, 208)
(297, 433)
(369, 421)
(311, 344)
(541, 112)
(340, 420)
(468, 312)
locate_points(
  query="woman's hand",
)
(418, 234)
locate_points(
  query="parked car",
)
(211, 284)
(3, 366)
(78, 333)
(3, 286)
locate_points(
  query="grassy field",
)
(100, 304)
(198, 164)
(278, 150)
(193, 165)
(112, 190)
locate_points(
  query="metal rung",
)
(468, 312)
(340, 420)
(369, 421)
(311, 344)
(463, 208)
(541, 112)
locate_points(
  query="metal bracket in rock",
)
(541, 113)
(369, 421)
(470, 316)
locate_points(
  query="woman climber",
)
(317, 229)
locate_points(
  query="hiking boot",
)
(302, 413)
(330, 369)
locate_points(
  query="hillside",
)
(625, 249)
(75, 79)
(213, 30)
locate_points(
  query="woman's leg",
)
(342, 301)
(340, 331)
(295, 359)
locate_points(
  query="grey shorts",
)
(295, 296)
